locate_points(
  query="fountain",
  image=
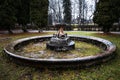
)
(60, 42)
(63, 44)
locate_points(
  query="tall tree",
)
(82, 8)
(7, 14)
(55, 8)
(59, 12)
(116, 9)
(67, 11)
(80, 11)
(23, 13)
(104, 15)
(39, 12)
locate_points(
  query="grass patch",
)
(106, 71)
(38, 50)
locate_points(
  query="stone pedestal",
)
(60, 43)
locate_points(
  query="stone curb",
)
(80, 61)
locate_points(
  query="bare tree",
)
(75, 10)
(55, 9)
(80, 10)
(52, 9)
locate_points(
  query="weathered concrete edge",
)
(92, 59)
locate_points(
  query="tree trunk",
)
(10, 31)
(106, 29)
(24, 28)
(39, 30)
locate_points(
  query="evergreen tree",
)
(39, 12)
(106, 14)
(103, 15)
(7, 14)
(116, 9)
(67, 11)
(23, 13)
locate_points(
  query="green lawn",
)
(106, 71)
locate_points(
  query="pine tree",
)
(39, 12)
(67, 11)
(104, 15)
(23, 13)
(116, 9)
(7, 14)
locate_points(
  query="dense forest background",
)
(41, 13)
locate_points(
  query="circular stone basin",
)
(18, 51)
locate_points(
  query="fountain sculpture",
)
(60, 42)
